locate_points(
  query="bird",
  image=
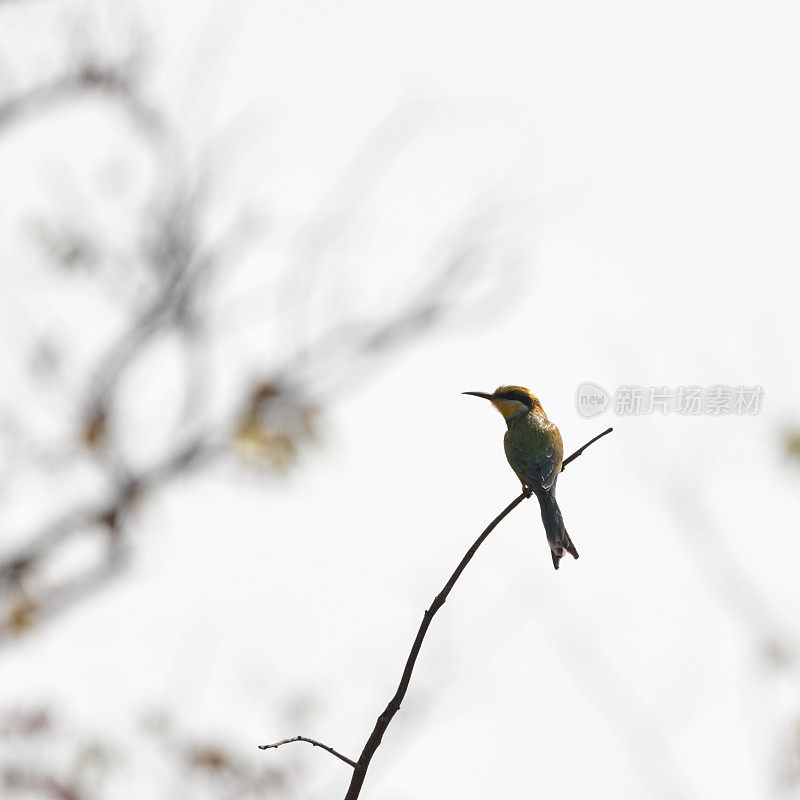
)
(534, 450)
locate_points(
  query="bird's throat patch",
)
(508, 408)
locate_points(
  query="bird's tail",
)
(557, 536)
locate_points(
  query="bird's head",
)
(511, 400)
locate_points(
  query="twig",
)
(578, 452)
(310, 741)
(362, 765)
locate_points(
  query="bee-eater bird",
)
(535, 451)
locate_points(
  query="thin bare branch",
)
(362, 765)
(310, 741)
(374, 741)
(568, 459)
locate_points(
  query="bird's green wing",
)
(535, 453)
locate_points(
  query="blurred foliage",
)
(43, 756)
(270, 431)
(791, 444)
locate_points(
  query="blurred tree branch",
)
(268, 420)
(83, 765)
(373, 742)
(45, 96)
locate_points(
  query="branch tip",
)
(581, 449)
(313, 742)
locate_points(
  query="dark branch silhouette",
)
(571, 458)
(362, 765)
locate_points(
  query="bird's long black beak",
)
(480, 394)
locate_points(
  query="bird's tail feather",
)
(557, 536)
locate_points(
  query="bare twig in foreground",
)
(579, 451)
(310, 741)
(362, 765)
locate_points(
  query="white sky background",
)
(649, 152)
